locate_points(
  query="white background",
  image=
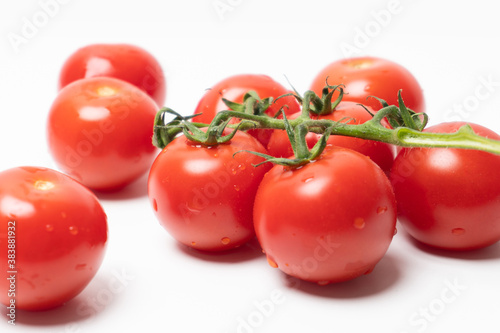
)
(147, 282)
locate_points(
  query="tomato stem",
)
(406, 125)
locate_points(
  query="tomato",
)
(381, 153)
(370, 76)
(449, 198)
(122, 61)
(99, 132)
(202, 195)
(234, 89)
(53, 235)
(328, 221)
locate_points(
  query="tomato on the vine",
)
(371, 76)
(350, 113)
(234, 88)
(328, 221)
(203, 195)
(122, 61)
(99, 132)
(53, 235)
(449, 198)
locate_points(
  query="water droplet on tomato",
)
(73, 230)
(196, 205)
(381, 210)
(308, 179)
(225, 240)
(193, 243)
(49, 227)
(395, 231)
(323, 283)
(271, 262)
(236, 188)
(458, 231)
(368, 88)
(155, 205)
(359, 223)
(80, 267)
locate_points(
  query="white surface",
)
(450, 46)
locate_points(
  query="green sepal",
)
(252, 104)
(163, 133)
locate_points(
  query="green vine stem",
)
(407, 131)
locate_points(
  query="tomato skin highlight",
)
(351, 113)
(449, 198)
(121, 61)
(203, 196)
(372, 76)
(60, 234)
(234, 88)
(99, 132)
(329, 221)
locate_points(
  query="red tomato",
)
(122, 61)
(381, 153)
(328, 221)
(234, 89)
(52, 237)
(203, 196)
(100, 130)
(369, 76)
(449, 198)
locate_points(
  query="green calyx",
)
(297, 137)
(163, 133)
(401, 116)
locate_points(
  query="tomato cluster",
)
(334, 218)
(53, 231)
(328, 220)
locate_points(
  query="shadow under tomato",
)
(385, 275)
(92, 301)
(491, 252)
(134, 190)
(248, 251)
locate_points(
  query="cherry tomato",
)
(53, 234)
(203, 196)
(328, 221)
(234, 89)
(370, 76)
(99, 132)
(122, 61)
(449, 198)
(381, 153)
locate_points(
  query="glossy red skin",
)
(328, 221)
(371, 76)
(203, 196)
(234, 88)
(60, 237)
(449, 198)
(122, 61)
(100, 130)
(381, 153)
